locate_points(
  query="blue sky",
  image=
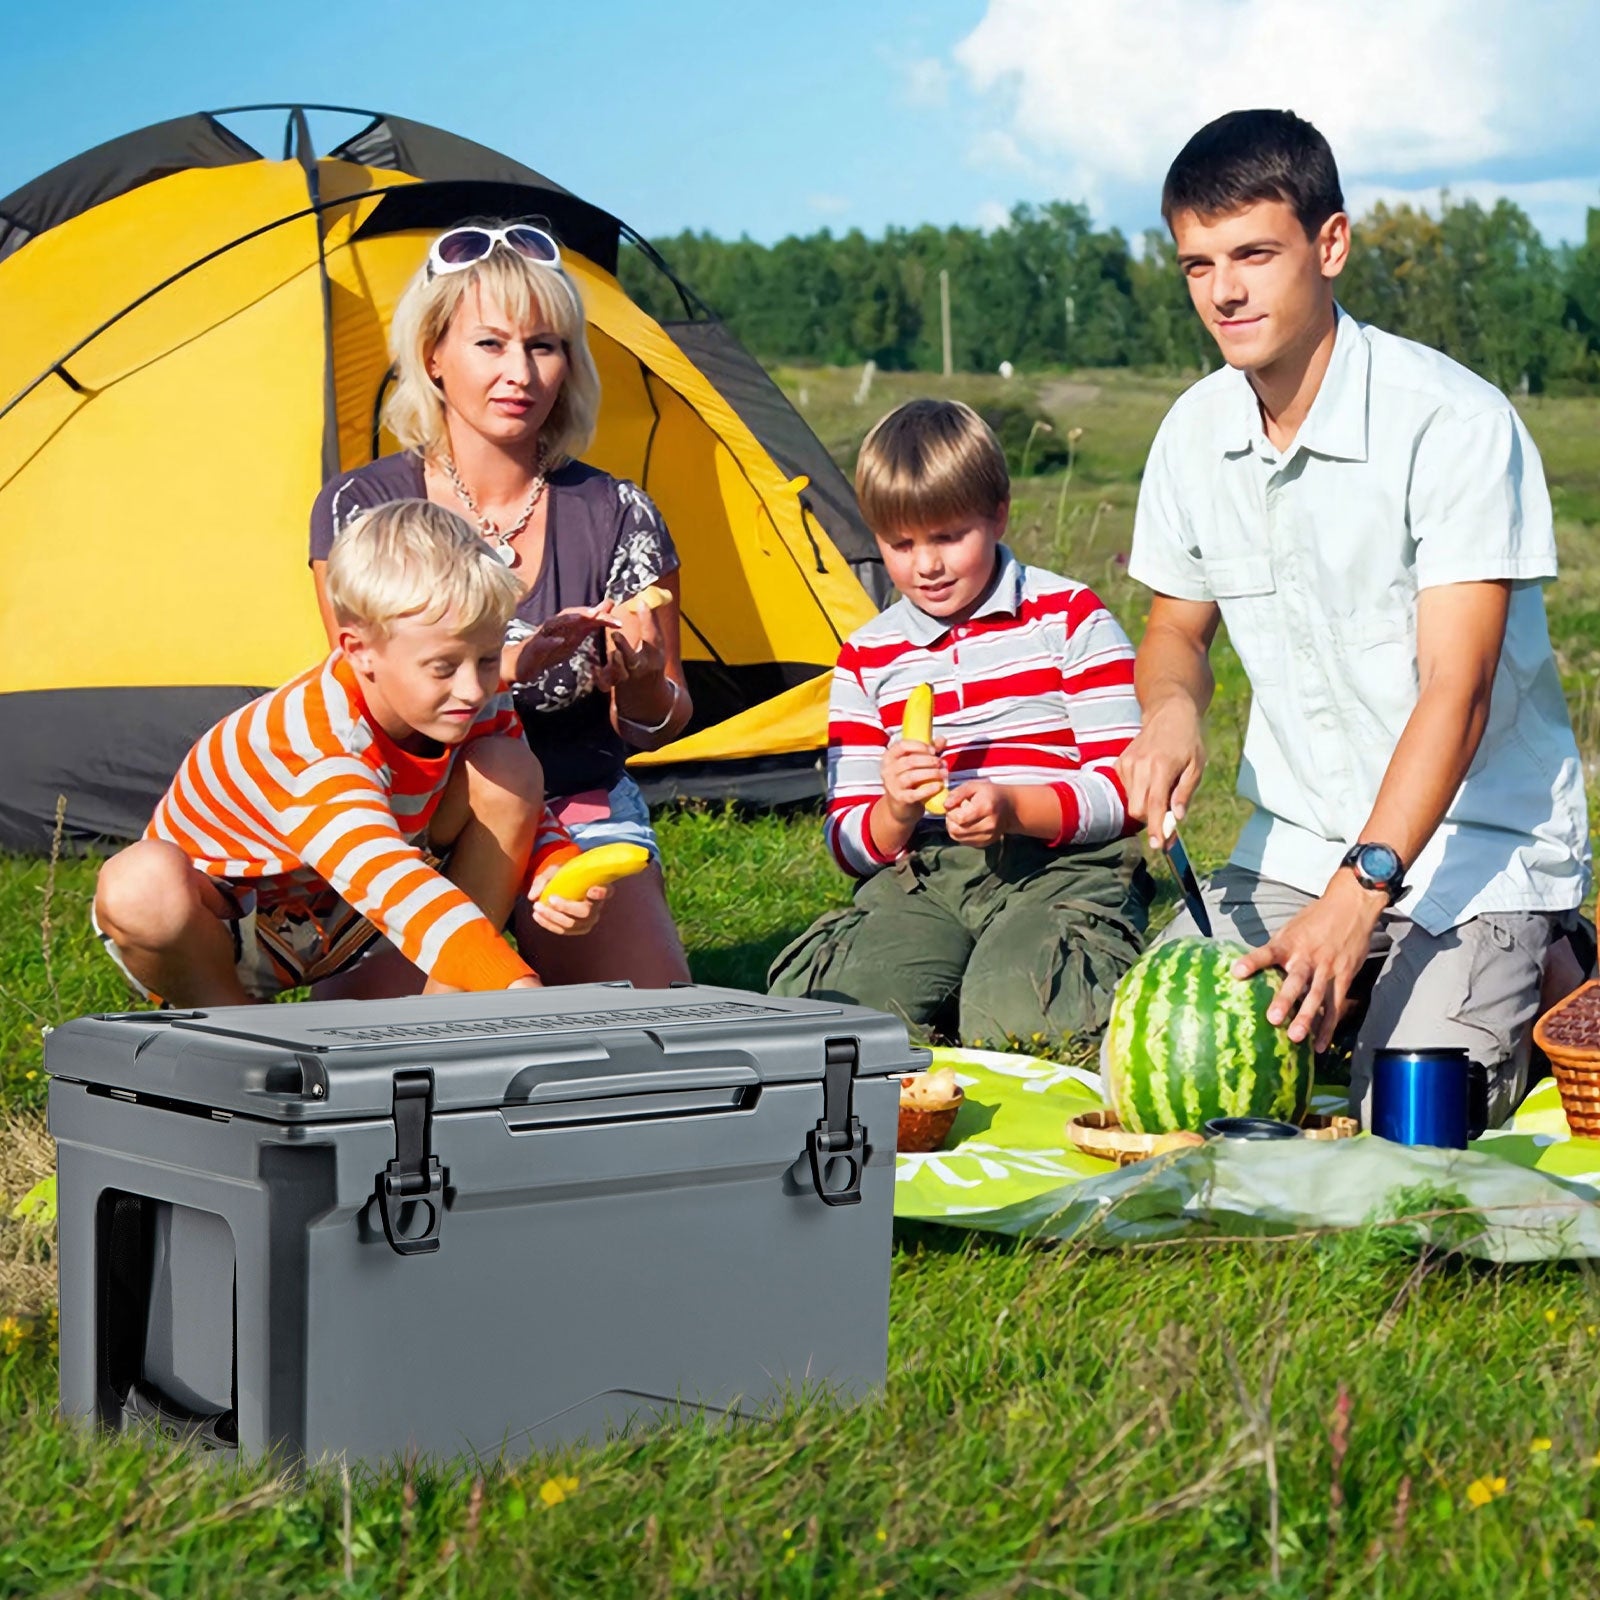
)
(772, 119)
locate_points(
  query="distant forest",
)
(1048, 289)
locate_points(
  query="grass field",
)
(1343, 1418)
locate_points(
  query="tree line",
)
(1050, 289)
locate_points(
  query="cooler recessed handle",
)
(531, 1088)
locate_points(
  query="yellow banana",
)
(917, 723)
(604, 864)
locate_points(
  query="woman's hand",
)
(635, 653)
(554, 641)
(559, 915)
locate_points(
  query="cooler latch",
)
(838, 1135)
(414, 1176)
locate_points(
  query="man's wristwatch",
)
(1376, 866)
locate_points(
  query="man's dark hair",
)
(1250, 156)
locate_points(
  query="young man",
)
(291, 840)
(1014, 912)
(1371, 522)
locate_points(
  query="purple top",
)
(604, 539)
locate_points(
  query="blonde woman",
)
(495, 398)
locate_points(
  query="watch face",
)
(1379, 863)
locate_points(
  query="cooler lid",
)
(319, 1061)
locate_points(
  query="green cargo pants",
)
(998, 944)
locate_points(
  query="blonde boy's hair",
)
(526, 291)
(411, 558)
(930, 462)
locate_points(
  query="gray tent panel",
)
(114, 168)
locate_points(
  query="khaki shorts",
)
(1475, 986)
(278, 942)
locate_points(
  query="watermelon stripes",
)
(1188, 1041)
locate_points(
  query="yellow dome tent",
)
(193, 338)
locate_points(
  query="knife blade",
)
(1178, 857)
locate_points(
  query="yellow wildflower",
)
(788, 1555)
(882, 1535)
(1482, 1490)
(1539, 1446)
(1550, 1315)
(10, 1336)
(554, 1490)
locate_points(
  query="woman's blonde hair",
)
(525, 290)
(930, 462)
(411, 558)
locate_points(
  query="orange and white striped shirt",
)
(302, 787)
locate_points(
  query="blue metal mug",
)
(1435, 1097)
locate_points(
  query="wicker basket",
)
(925, 1128)
(1098, 1133)
(1569, 1034)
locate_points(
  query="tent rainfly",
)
(195, 339)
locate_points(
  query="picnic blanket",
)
(1522, 1193)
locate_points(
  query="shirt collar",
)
(1337, 424)
(1003, 598)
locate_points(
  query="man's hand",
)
(1161, 766)
(530, 982)
(1320, 951)
(559, 915)
(912, 775)
(981, 813)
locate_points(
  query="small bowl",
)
(1250, 1128)
(925, 1128)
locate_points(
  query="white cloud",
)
(828, 205)
(992, 214)
(926, 83)
(995, 150)
(1107, 93)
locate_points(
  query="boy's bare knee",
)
(145, 894)
(505, 774)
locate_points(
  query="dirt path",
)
(1062, 394)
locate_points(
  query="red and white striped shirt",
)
(301, 789)
(1035, 688)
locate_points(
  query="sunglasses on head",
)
(461, 248)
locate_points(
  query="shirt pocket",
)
(1246, 591)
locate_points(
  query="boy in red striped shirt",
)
(1012, 914)
(290, 844)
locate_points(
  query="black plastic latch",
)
(414, 1176)
(838, 1135)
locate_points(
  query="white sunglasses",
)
(461, 248)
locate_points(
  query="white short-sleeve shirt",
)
(1408, 472)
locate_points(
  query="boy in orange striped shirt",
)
(308, 827)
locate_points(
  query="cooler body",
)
(472, 1223)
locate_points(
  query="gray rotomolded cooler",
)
(482, 1223)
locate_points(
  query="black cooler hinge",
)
(838, 1135)
(414, 1176)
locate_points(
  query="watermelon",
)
(1188, 1041)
